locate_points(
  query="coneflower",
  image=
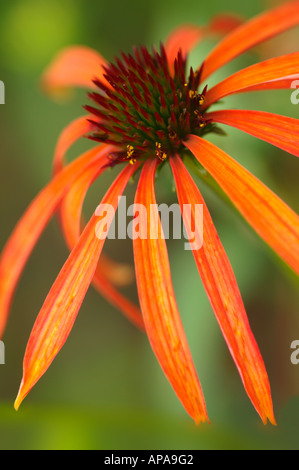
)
(148, 109)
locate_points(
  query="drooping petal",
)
(157, 300)
(250, 34)
(270, 217)
(74, 66)
(188, 36)
(257, 74)
(278, 130)
(70, 216)
(31, 225)
(120, 274)
(58, 314)
(70, 134)
(222, 289)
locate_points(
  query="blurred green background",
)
(105, 389)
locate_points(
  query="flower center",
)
(143, 109)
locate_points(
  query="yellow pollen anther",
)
(159, 153)
(201, 100)
(202, 123)
(130, 151)
(193, 94)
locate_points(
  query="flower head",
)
(147, 109)
(143, 110)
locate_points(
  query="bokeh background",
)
(105, 389)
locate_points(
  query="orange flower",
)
(148, 112)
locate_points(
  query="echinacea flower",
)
(147, 111)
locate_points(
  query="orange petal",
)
(74, 66)
(184, 38)
(71, 206)
(107, 271)
(257, 74)
(70, 218)
(270, 217)
(281, 131)
(158, 304)
(250, 34)
(120, 274)
(279, 84)
(222, 289)
(31, 225)
(74, 131)
(58, 314)
(188, 36)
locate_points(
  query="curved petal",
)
(250, 34)
(279, 84)
(188, 36)
(58, 314)
(281, 131)
(70, 217)
(118, 273)
(70, 134)
(222, 289)
(157, 300)
(185, 38)
(270, 217)
(257, 74)
(31, 225)
(74, 66)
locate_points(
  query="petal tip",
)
(19, 398)
(24, 389)
(268, 416)
(272, 420)
(201, 420)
